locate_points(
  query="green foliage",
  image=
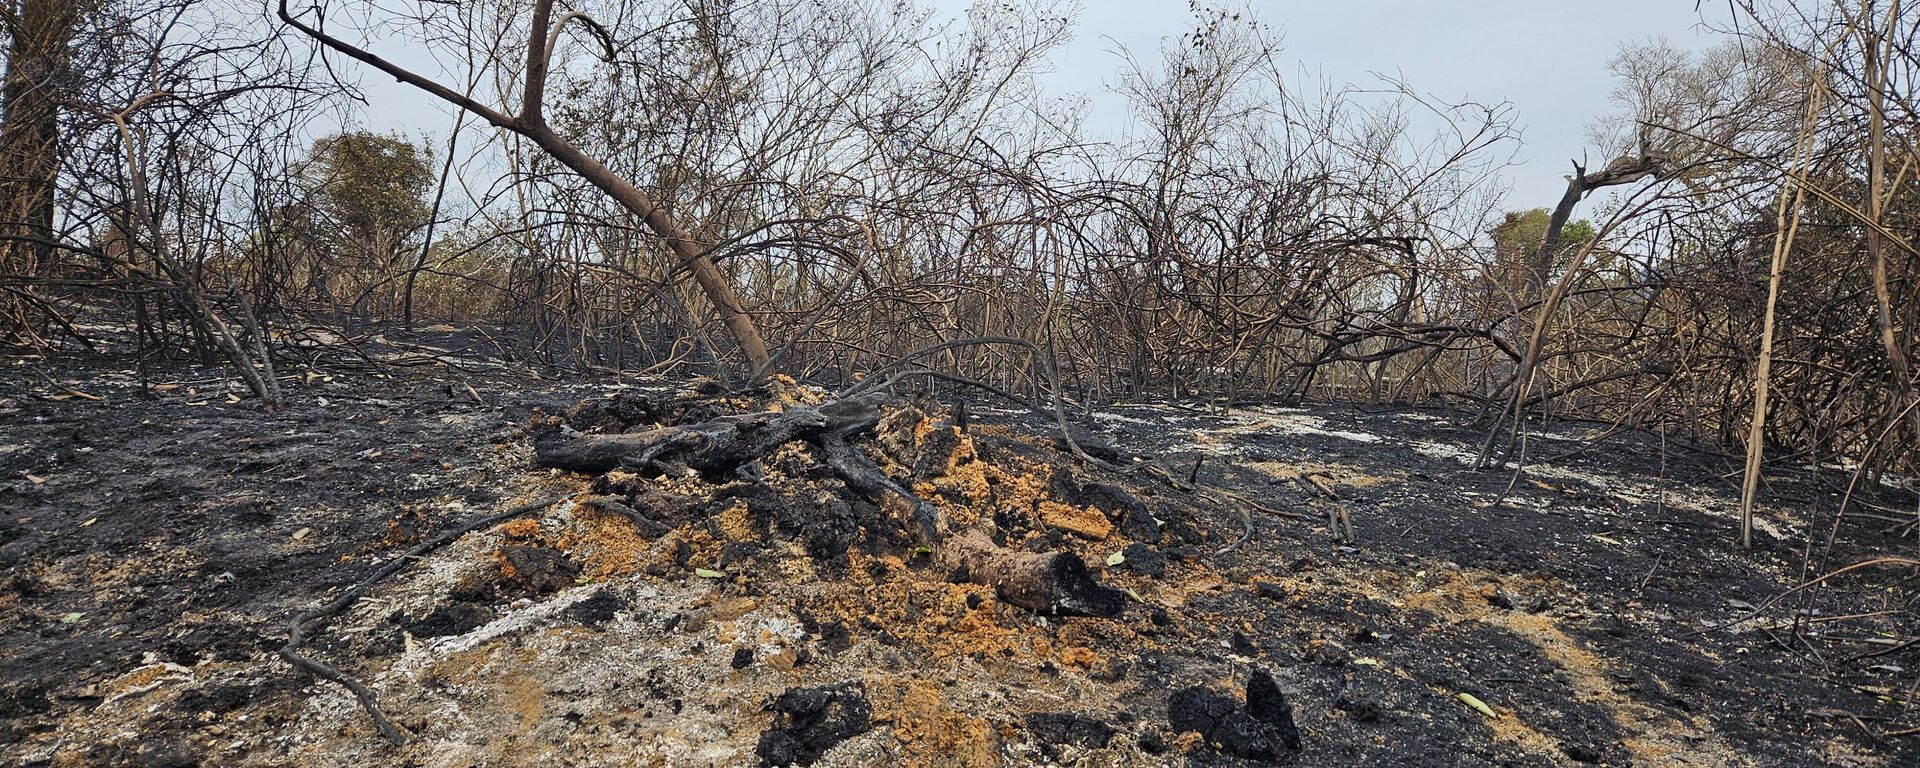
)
(1520, 233)
(368, 188)
(1576, 234)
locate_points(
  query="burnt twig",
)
(298, 626)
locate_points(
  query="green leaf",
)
(708, 574)
(1116, 558)
(71, 618)
(1135, 595)
(1478, 705)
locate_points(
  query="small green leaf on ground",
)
(708, 573)
(1116, 558)
(1478, 705)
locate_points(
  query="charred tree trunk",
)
(39, 31)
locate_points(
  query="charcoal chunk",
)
(536, 570)
(597, 609)
(1261, 730)
(809, 721)
(455, 618)
(1054, 729)
(1144, 560)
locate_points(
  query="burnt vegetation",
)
(797, 382)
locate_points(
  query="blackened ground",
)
(1592, 608)
(1597, 616)
(178, 527)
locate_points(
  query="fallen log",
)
(714, 446)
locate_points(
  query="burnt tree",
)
(543, 35)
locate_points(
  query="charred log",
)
(715, 446)
(1043, 582)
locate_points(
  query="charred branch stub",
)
(1043, 582)
(1626, 169)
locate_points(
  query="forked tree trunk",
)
(1891, 342)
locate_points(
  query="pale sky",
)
(1548, 58)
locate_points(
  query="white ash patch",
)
(1701, 500)
(1216, 442)
(1109, 417)
(464, 419)
(1293, 421)
(652, 690)
(1889, 480)
(425, 584)
(1553, 436)
(1445, 451)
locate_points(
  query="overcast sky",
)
(1548, 58)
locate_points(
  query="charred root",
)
(1042, 582)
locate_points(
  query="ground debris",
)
(809, 721)
(1262, 729)
(669, 608)
(834, 475)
